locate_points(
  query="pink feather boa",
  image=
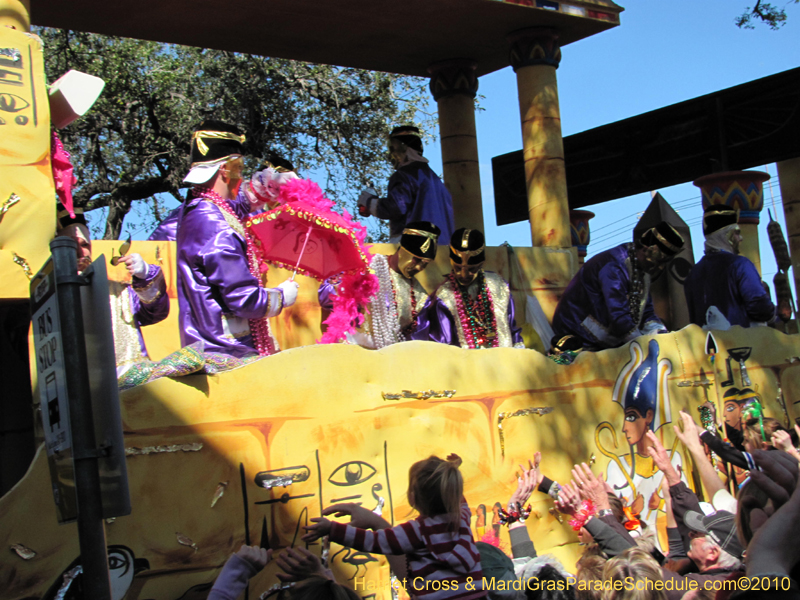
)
(355, 290)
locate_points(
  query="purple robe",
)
(217, 294)
(416, 193)
(436, 321)
(732, 284)
(595, 307)
(144, 302)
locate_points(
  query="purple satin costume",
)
(149, 313)
(416, 193)
(732, 284)
(216, 292)
(595, 307)
(436, 323)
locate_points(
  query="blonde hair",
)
(752, 432)
(435, 487)
(638, 565)
(590, 568)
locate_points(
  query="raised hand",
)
(320, 528)
(590, 487)
(298, 564)
(255, 555)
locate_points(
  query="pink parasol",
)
(305, 235)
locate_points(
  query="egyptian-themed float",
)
(251, 454)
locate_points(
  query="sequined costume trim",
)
(501, 296)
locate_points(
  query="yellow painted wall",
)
(26, 227)
(322, 408)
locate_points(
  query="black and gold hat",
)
(467, 246)
(276, 162)
(409, 135)
(213, 143)
(420, 238)
(665, 236)
(717, 216)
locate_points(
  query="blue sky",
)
(662, 53)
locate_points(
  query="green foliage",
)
(134, 143)
(772, 16)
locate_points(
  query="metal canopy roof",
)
(746, 126)
(397, 36)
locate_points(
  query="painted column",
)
(453, 86)
(535, 55)
(15, 14)
(743, 190)
(579, 231)
(789, 179)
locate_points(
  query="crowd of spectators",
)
(745, 547)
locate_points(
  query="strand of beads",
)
(637, 286)
(477, 317)
(385, 322)
(259, 328)
(405, 333)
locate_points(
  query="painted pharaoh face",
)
(635, 425)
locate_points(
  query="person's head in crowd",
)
(217, 161)
(699, 594)
(435, 487)
(405, 145)
(758, 433)
(467, 255)
(657, 246)
(546, 579)
(721, 228)
(637, 565)
(589, 569)
(417, 249)
(714, 542)
(319, 588)
(497, 567)
(75, 228)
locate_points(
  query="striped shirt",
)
(441, 564)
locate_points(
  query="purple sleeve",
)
(756, 299)
(240, 204)
(399, 198)
(435, 324)
(516, 332)
(615, 286)
(224, 262)
(325, 294)
(149, 301)
(232, 579)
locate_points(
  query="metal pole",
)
(91, 529)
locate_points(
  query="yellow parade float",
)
(250, 455)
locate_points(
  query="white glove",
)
(289, 289)
(366, 195)
(135, 265)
